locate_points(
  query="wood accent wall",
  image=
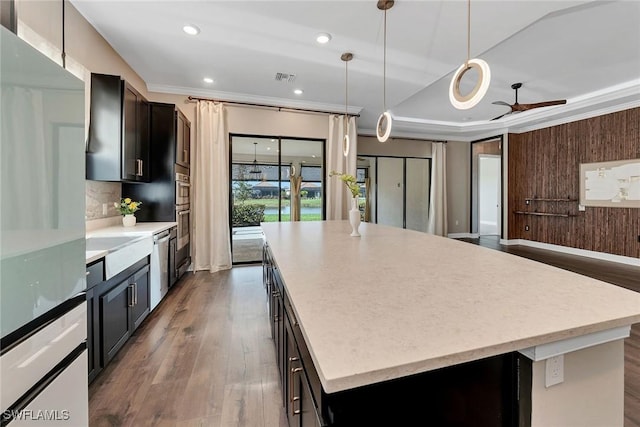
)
(545, 163)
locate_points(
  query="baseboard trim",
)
(463, 235)
(574, 251)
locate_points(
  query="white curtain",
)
(337, 194)
(438, 198)
(212, 249)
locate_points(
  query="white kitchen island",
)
(395, 303)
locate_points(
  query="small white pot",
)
(129, 220)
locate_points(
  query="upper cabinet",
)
(118, 145)
(183, 140)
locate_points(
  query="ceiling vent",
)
(285, 77)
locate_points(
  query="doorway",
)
(260, 169)
(489, 194)
(486, 187)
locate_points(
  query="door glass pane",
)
(306, 158)
(254, 194)
(417, 183)
(390, 191)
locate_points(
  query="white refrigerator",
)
(43, 317)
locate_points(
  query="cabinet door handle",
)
(135, 294)
(139, 164)
(293, 398)
(130, 296)
(185, 156)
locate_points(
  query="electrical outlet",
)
(526, 228)
(458, 222)
(105, 208)
(554, 370)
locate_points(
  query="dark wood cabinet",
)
(118, 145)
(123, 305)
(141, 306)
(95, 277)
(183, 140)
(297, 397)
(115, 319)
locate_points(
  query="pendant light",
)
(383, 127)
(346, 57)
(255, 169)
(464, 102)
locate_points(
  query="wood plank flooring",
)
(626, 276)
(205, 357)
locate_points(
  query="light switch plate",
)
(554, 370)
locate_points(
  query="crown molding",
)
(609, 100)
(252, 99)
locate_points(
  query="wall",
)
(545, 163)
(592, 394)
(394, 147)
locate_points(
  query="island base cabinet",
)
(491, 392)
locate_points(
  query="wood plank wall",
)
(545, 163)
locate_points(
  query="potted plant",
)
(127, 208)
(354, 214)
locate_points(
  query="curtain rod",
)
(249, 104)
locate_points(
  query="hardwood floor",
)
(204, 357)
(627, 276)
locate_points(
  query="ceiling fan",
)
(517, 108)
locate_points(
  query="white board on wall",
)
(610, 184)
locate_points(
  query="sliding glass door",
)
(264, 187)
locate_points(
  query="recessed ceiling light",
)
(323, 38)
(314, 156)
(190, 29)
(273, 140)
(268, 148)
(208, 80)
(298, 91)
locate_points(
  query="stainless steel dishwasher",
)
(159, 267)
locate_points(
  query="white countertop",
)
(140, 229)
(396, 302)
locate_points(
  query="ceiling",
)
(587, 52)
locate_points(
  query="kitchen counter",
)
(140, 229)
(395, 302)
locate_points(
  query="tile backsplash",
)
(99, 193)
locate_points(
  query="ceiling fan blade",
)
(525, 107)
(501, 116)
(501, 103)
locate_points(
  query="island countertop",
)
(397, 302)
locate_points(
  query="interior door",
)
(390, 191)
(489, 194)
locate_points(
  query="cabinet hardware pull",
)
(129, 296)
(275, 317)
(135, 294)
(185, 156)
(293, 398)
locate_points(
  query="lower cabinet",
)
(297, 397)
(115, 309)
(122, 309)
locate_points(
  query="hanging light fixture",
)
(346, 57)
(383, 128)
(464, 102)
(255, 169)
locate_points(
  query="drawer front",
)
(26, 363)
(95, 274)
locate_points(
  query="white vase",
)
(354, 217)
(129, 220)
